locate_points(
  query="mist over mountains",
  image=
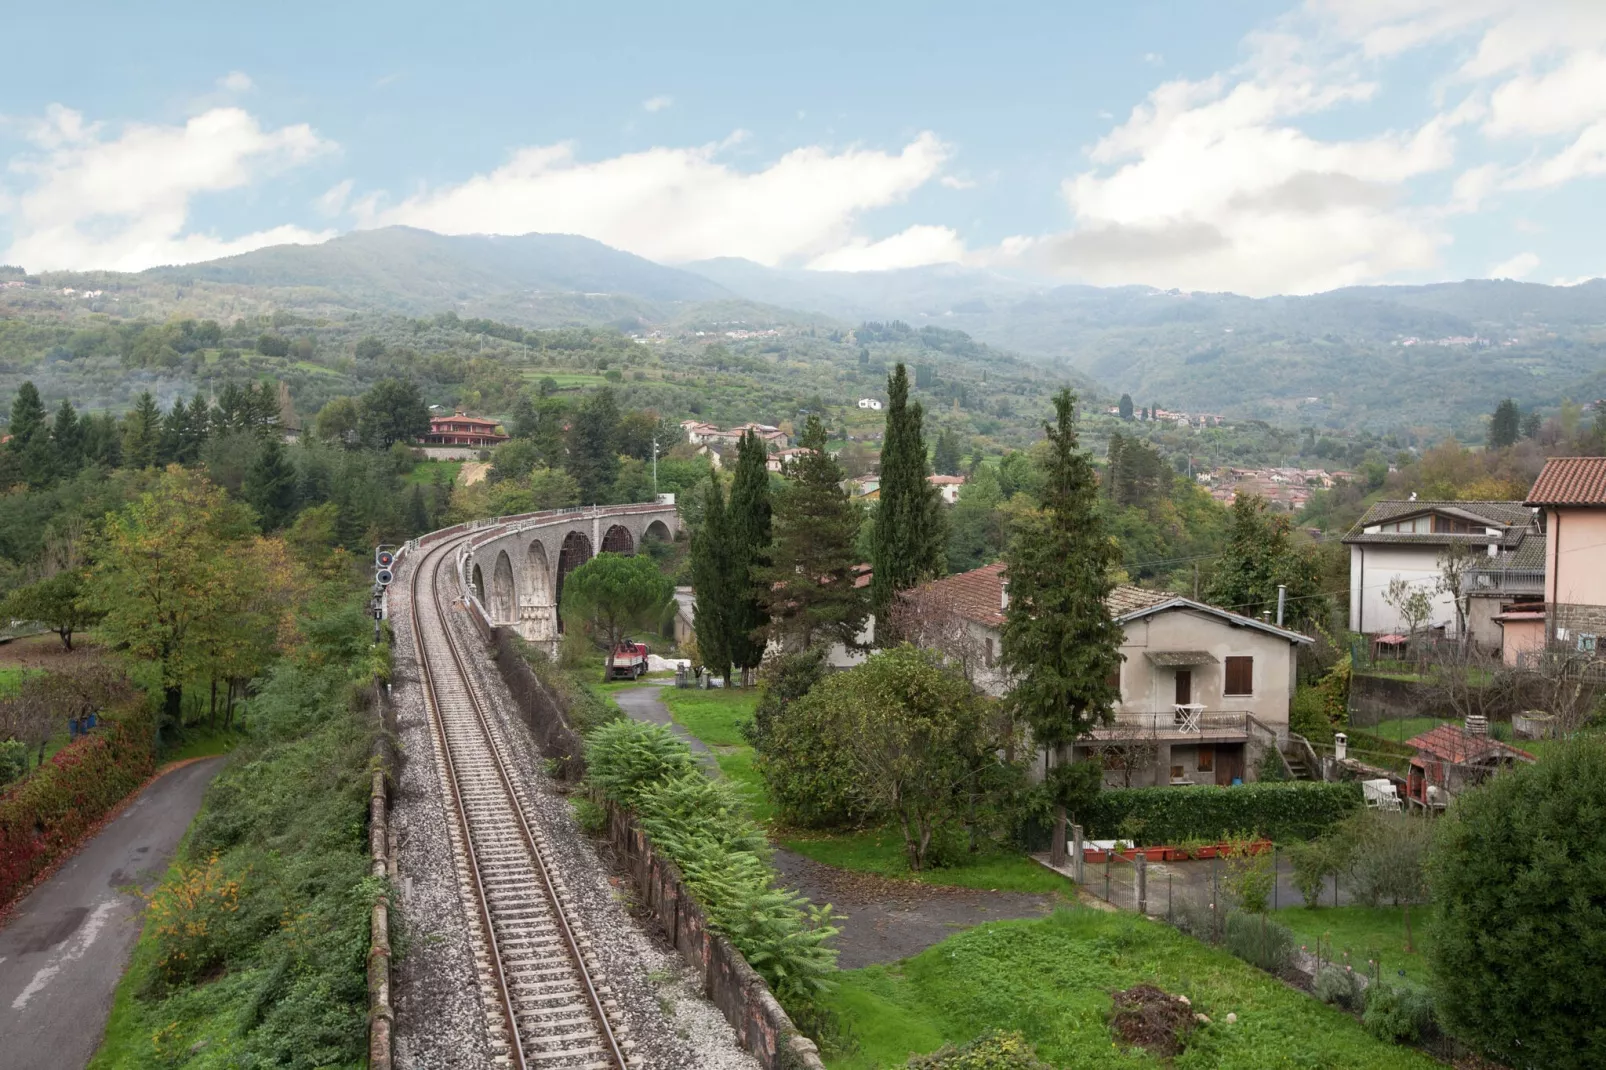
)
(1429, 355)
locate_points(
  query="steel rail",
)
(612, 1050)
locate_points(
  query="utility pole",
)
(655, 466)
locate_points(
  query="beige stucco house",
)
(1203, 690)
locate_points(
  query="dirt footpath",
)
(887, 920)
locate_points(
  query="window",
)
(1207, 759)
(1240, 676)
(1586, 643)
(988, 651)
(1114, 680)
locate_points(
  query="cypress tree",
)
(1060, 646)
(270, 486)
(809, 586)
(909, 541)
(945, 455)
(142, 430)
(417, 511)
(713, 581)
(1505, 425)
(1125, 407)
(750, 528)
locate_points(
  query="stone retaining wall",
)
(541, 711)
(381, 849)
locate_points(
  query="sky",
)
(1245, 145)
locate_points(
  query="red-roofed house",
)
(1207, 688)
(1571, 492)
(947, 486)
(461, 430)
(1450, 758)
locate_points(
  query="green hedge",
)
(1280, 811)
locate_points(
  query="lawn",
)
(565, 380)
(1051, 980)
(11, 679)
(716, 717)
(1366, 933)
(426, 472)
(1404, 728)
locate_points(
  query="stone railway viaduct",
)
(515, 565)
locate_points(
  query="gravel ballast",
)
(439, 1019)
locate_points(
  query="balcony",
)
(1184, 726)
(1505, 581)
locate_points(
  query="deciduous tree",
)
(392, 411)
(56, 602)
(593, 457)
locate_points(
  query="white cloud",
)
(1154, 59)
(1574, 281)
(677, 204)
(917, 246)
(955, 182)
(89, 200)
(333, 201)
(658, 103)
(1518, 267)
(235, 82)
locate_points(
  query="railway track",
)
(533, 957)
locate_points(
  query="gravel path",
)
(647, 704)
(439, 1019)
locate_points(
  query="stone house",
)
(1203, 691)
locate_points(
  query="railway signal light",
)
(383, 577)
(384, 558)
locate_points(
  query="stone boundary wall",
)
(762, 1025)
(541, 710)
(381, 849)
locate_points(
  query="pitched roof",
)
(978, 595)
(1570, 481)
(1453, 743)
(1513, 518)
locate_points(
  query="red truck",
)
(629, 661)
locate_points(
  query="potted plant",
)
(1189, 848)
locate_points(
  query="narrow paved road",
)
(66, 946)
(647, 704)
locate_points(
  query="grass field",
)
(1367, 933)
(716, 718)
(426, 472)
(1405, 728)
(1051, 980)
(565, 380)
(10, 680)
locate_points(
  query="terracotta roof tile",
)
(978, 595)
(1570, 481)
(1452, 743)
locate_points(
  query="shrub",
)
(800, 748)
(1260, 941)
(1298, 810)
(1340, 986)
(1250, 875)
(46, 813)
(1313, 862)
(189, 915)
(1402, 1014)
(1518, 887)
(13, 760)
(991, 1051)
(702, 826)
(625, 756)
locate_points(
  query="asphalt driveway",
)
(69, 940)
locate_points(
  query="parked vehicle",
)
(629, 661)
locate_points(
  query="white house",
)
(1203, 689)
(870, 403)
(947, 486)
(1406, 540)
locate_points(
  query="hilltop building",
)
(460, 429)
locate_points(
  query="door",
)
(1229, 763)
(1184, 686)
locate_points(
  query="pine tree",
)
(175, 429)
(910, 538)
(750, 528)
(270, 486)
(593, 447)
(1060, 646)
(30, 444)
(713, 581)
(142, 431)
(67, 439)
(809, 586)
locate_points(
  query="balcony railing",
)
(1505, 581)
(1202, 724)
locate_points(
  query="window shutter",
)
(1240, 676)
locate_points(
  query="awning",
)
(1391, 640)
(1169, 659)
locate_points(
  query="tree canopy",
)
(616, 592)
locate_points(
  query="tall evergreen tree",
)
(1060, 646)
(714, 581)
(946, 454)
(270, 486)
(30, 445)
(175, 429)
(809, 585)
(1505, 425)
(594, 448)
(909, 541)
(1261, 554)
(67, 439)
(103, 440)
(750, 527)
(525, 420)
(142, 432)
(1125, 407)
(417, 511)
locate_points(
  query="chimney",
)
(1003, 593)
(1477, 724)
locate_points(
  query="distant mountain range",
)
(1382, 356)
